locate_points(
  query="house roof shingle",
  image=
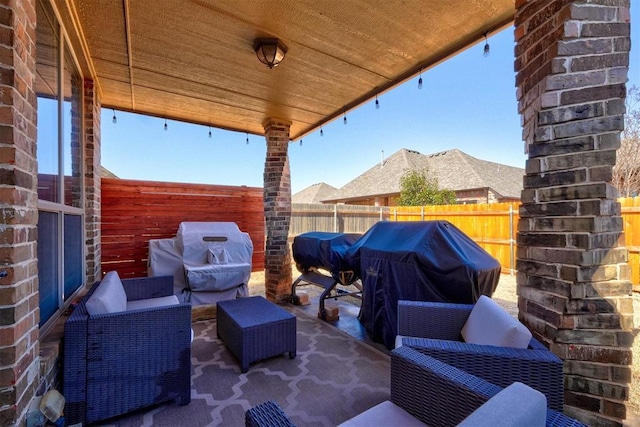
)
(314, 193)
(106, 173)
(454, 170)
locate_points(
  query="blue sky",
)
(467, 102)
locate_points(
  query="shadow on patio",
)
(334, 376)
(338, 372)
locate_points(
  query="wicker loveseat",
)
(117, 362)
(435, 329)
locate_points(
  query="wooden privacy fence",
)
(631, 217)
(493, 226)
(334, 218)
(133, 212)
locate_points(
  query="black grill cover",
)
(417, 261)
(323, 250)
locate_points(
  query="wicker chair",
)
(116, 363)
(442, 395)
(434, 329)
(433, 392)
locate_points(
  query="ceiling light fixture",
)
(209, 132)
(247, 138)
(420, 80)
(165, 124)
(345, 118)
(321, 132)
(377, 103)
(114, 120)
(270, 52)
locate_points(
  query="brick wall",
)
(19, 367)
(277, 210)
(92, 182)
(574, 293)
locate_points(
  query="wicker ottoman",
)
(255, 329)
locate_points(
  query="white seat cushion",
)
(490, 324)
(386, 413)
(152, 302)
(109, 297)
(530, 409)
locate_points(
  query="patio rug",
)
(333, 378)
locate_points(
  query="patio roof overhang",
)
(194, 61)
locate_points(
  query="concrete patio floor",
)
(505, 295)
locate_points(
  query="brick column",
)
(573, 281)
(277, 210)
(19, 315)
(92, 182)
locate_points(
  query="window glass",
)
(59, 154)
(73, 254)
(46, 86)
(71, 119)
(48, 261)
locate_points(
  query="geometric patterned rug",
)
(333, 378)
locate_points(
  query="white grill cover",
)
(194, 240)
(165, 260)
(213, 259)
(198, 241)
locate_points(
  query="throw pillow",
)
(490, 324)
(109, 297)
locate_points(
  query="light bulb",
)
(114, 120)
(165, 125)
(345, 119)
(485, 52)
(377, 103)
(420, 83)
(321, 132)
(209, 131)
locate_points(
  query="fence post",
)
(422, 213)
(511, 241)
(335, 218)
(395, 214)
(380, 214)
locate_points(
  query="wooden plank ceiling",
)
(193, 60)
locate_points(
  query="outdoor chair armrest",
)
(432, 319)
(431, 391)
(267, 414)
(148, 287)
(539, 369)
(439, 394)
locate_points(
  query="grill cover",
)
(323, 250)
(418, 261)
(216, 255)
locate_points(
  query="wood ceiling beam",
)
(127, 32)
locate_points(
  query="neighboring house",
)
(314, 193)
(473, 180)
